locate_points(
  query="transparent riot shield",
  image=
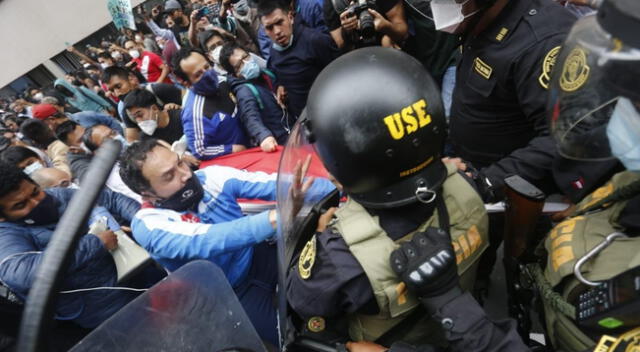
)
(193, 309)
(300, 202)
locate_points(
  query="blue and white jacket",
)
(210, 131)
(218, 231)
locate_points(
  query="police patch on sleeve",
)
(307, 258)
(547, 66)
(575, 71)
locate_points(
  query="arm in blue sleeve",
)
(193, 128)
(251, 115)
(264, 42)
(120, 206)
(169, 239)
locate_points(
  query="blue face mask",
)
(623, 132)
(283, 48)
(207, 85)
(250, 69)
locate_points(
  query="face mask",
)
(45, 213)
(38, 96)
(241, 8)
(104, 65)
(134, 54)
(186, 198)
(250, 69)
(207, 85)
(447, 14)
(623, 132)
(214, 55)
(116, 55)
(283, 48)
(33, 167)
(148, 126)
(138, 38)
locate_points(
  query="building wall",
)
(32, 31)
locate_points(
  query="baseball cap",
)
(43, 111)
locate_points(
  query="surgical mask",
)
(207, 85)
(186, 198)
(39, 96)
(33, 167)
(623, 132)
(104, 65)
(250, 69)
(241, 8)
(138, 38)
(45, 213)
(279, 47)
(214, 54)
(149, 126)
(134, 54)
(116, 55)
(447, 14)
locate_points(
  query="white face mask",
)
(33, 167)
(447, 14)
(623, 132)
(134, 53)
(149, 126)
(116, 55)
(38, 96)
(104, 65)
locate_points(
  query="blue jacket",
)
(298, 66)
(261, 117)
(210, 132)
(89, 119)
(91, 266)
(217, 231)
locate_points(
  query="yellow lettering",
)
(459, 255)
(560, 240)
(474, 238)
(394, 125)
(401, 290)
(410, 120)
(560, 256)
(465, 246)
(419, 107)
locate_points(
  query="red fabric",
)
(255, 159)
(153, 70)
(43, 111)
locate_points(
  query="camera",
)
(359, 9)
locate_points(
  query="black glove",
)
(427, 264)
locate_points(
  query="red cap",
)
(43, 111)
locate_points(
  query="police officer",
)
(377, 121)
(427, 265)
(508, 51)
(595, 117)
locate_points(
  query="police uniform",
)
(336, 271)
(499, 103)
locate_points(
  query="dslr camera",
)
(359, 9)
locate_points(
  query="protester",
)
(150, 65)
(43, 138)
(142, 106)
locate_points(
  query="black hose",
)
(37, 317)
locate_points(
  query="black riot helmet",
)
(376, 119)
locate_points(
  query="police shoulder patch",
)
(316, 324)
(575, 71)
(307, 258)
(547, 66)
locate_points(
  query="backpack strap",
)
(254, 90)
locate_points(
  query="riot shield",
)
(193, 309)
(298, 212)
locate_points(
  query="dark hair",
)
(4, 143)
(140, 98)
(181, 55)
(38, 132)
(105, 55)
(115, 71)
(14, 155)
(225, 53)
(10, 179)
(92, 67)
(131, 163)
(266, 7)
(19, 120)
(86, 137)
(205, 36)
(63, 130)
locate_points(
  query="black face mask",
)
(186, 198)
(45, 213)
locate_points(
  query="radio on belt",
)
(613, 304)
